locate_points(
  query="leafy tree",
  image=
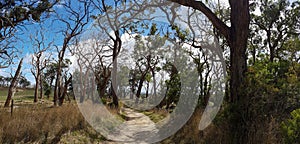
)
(2, 80)
(146, 52)
(290, 49)
(23, 82)
(47, 89)
(115, 19)
(173, 85)
(236, 35)
(204, 68)
(278, 22)
(48, 78)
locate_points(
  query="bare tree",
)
(13, 14)
(93, 55)
(76, 20)
(39, 61)
(13, 84)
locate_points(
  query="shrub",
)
(291, 128)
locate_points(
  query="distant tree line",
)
(23, 82)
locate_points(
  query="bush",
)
(291, 128)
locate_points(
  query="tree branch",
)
(198, 5)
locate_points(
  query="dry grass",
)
(190, 133)
(39, 123)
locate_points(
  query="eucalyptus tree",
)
(75, 19)
(23, 82)
(115, 19)
(276, 23)
(15, 14)
(236, 36)
(93, 56)
(39, 61)
(146, 54)
(48, 78)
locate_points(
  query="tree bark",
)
(13, 84)
(56, 86)
(36, 74)
(36, 88)
(102, 84)
(64, 90)
(41, 87)
(61, 55)
(239, 31)
(116, 49)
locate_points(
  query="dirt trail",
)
(136, 124)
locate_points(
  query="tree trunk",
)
(154, 85)
(36, 75)
(65, 90)
(36, 88)
(116, 50)
(56, 86)
(272, 54)
(114, 82)
(13, 84)
(41, 87)
(103, 84)
(140, 86)
(239, 31)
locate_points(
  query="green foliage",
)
(290, 49)
(278, 22)
(271, 76)
(291, 128)
(148, 77)
(179, 33)
(153, 29)
(156, 116)
(173, 84)
(23, 82)
(46, 88)
(18, 11)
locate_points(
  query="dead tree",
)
(13, 84)
(39, 62)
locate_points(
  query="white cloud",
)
(4, 73)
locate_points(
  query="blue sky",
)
(52, 31)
